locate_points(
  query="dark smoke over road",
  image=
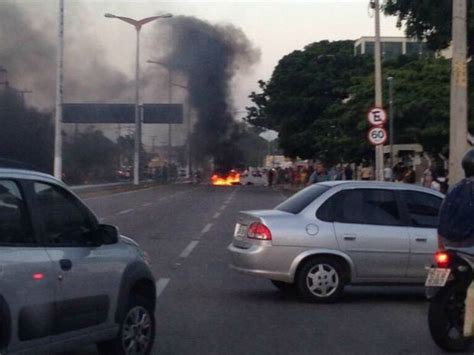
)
(28, 52)
(208, 56)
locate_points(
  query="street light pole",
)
(391, 119)
(170, 100)
(378, 87)
(58, 169)
(138, 124)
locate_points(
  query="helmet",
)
(468, 163)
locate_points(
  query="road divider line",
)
(216, 215)
(147, 204)
(206, 228)
(161, 285)
(188, 250)
(222, 208)
(126, 211)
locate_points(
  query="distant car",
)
(65, 279)
(337, 233)
(253, 177)
(124, 173)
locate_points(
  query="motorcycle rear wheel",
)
(446, 318)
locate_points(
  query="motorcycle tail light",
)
(442, 259)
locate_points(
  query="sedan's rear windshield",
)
(298, 202)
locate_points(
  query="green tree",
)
(321, 112)
(302, 87)
(429, 19)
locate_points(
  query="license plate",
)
(240, 230)
(437, 277)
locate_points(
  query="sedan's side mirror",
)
(108, 234)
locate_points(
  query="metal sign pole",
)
(59, 95)
(378, 88)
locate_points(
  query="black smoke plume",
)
(28, 53)
(208, 56)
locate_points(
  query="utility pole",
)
(378, 87)
(170, 100)
(391, 118)
(58, 169)
(458, 108)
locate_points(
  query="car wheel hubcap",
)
(322, 280)
(136, 333)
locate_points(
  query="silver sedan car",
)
(337, 233)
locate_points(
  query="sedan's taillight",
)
(259, 231)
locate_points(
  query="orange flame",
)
(232, 179)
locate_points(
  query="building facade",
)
(393, 47)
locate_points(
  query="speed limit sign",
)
(377, 135)
(377, 116)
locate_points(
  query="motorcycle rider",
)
(456, 221)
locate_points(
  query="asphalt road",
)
(203, 307)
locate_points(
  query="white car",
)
(337, 233)
(253, 177)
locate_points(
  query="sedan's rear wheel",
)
(321, 280)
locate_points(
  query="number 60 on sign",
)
(377, 135)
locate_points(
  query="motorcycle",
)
(447, 287)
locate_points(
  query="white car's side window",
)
(64, 221)
(15, 226)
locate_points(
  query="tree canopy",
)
(427, 19)
(303, 87)
(317, 99)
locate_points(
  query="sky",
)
(276, 28)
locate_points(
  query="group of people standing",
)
(300, 176)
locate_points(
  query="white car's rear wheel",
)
(320, 279)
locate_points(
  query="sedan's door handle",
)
(65, 264)
(350, 237)
(421, 239)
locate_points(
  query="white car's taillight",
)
(259, 231)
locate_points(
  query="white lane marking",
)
(102, 219)
(187, 251)
(222, 208)
(216, 215)
(126, 211)
(147, 204)
(206, 228)
(161, 285)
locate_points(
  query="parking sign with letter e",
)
(377, 116)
